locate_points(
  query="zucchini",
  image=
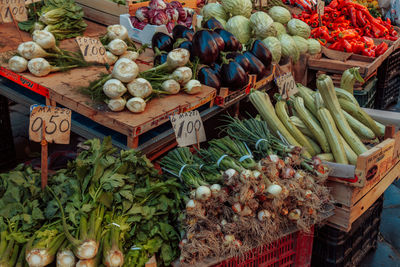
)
(343, 94)
(301, 126)
(311, 125)
(333, 135)
(326, 157)
(381, 128)
(327, 91)
(308, 99)
(349, 77)
(316, 147)
(360, 129)
(350, 154)
(280, 109)
(361, 115)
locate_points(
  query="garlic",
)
(132, 55)
(31, 50)
(117, 104)
(140, 88)
(136, 105)
(117, 32)
(45, 39)
(193, 87)
(171, 86)
(111, 58)
(203, 193)
(182, 75)
(117, 47)
(125, 70)
(18, 64)
(114, 88)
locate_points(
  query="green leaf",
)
(115, 181)
(153, 245)
(167, 254)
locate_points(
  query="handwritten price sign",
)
(57, 123)
(286, 85)
(320, 7)
(12, 9)
(92, 49)
(188, 128)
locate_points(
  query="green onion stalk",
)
(21, 262)
(210, 173)
(9, 249)
(221, 160)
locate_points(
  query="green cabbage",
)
(280, 14)
(298, 27)
(301, 44)
(275, 29)
(289, 48)
(314, 47)
(274, 47)
(238, 7)
(260, 21)
(222, 21)
(214, 10)
(240, 27)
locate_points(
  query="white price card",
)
(12, 9)
(320, 7)
(188, 128)
(92, 49)
(57, 123)
(286, 85)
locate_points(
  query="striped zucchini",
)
(360, 129)
(333, 135)
(311, 125)
(301, 126)
(350, 154)
(343, 94)
(280, 109)
(326, 157)
(361, 115)
(349, 77)
(315, 146)
(327, 91)
(381, 128)
(308, 99)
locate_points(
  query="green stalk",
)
(3, 243)
(55, 244)
(83, 228)
(7, 253)
(14, 256)
(21, 258)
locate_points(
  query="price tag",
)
(320, 7)
(57, 123)
(10, 9)
(188, 128)
(286, 85)
(92, 49)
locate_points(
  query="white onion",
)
(230, 173)
(215, 189)
(224, 222)
(193, 87)
(203, 193)
(125, 70)
(18, 64)
(193, 194)
(140, 88)
(136, 105)
(30, 50)
(246, 211)
(237, 207)
(171, 86)
(229, 238)
(117, 47)
(294, 215)
(245, 175)
(274, 190)
(114, 88)
(256, 174)
(263, 214)
(117, 32)
(117, 104)
(190, 205)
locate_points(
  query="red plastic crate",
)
(292, 250)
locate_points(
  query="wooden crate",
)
(103, 11)
(352, 202)
(137, 4)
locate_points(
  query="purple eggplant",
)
(204, 47)
(256, 66)
(160, 59)
(216, 69)
(212, 24)
(261, 52)
(181, 31)
(218, 39)
(162, 42)
(231, 42)
(241, 59)
(233, 75)
(208, 77)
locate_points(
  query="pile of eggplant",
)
(224, 63)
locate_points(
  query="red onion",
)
(172, 14)
(176, 4)
(140, 25)
(160, 18)
(157, 4)
(134, 20)
(142, 13)
(170, 26)
(182, 14)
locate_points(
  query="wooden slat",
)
(100, 16)
(106, 6)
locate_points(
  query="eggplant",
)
(160, 59)
(231, 42)
(216, 68)
(241, 59)
(256, 66)
(233, 75)
(212, 24)
(208, 77)
(162, 42)
(261, 52)
(204, 47)
(180, 31)
(218, 39)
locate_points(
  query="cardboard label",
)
(92, 49)
(286, 85)
(57, 123)
(320, 7)
(188, 128)
(10, 9)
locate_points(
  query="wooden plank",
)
(100, 16)
(106, 6)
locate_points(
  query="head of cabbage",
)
(314, 47)
(275, 29)
(289, 48)
(301, 44)
(238, 7)
(280, 14)
(298, 27)
(260, 21)
(214, 10)
(274, 47)
(240, 27)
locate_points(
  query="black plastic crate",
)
(366, 97)
(7, 150)
(387, 93)
(335, 248)
(389, 67)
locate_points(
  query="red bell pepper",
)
(335, 46)
(349, 34)
(368, 52)
(353, 16)
(347, 47)
(369, 42)
(360, 18)
(381, 49)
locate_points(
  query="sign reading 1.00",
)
(188, 128)
(92, 49)
(10, 9)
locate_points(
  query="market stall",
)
(263, 166)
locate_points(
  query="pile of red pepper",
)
(349, 27)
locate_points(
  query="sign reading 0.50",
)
(56, 122)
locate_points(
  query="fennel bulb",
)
(30, 50)
(117, 47)
(117, 104)
(125, 70)
(114, 88)
(136, 105)
(171, 86)
(18, 64)
(140, 88)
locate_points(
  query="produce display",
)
(63, 18)
(244, 190)
(160, 12)
(106, 208)
(328, 123)
(350, 27)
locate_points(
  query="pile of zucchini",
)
(328, 123)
